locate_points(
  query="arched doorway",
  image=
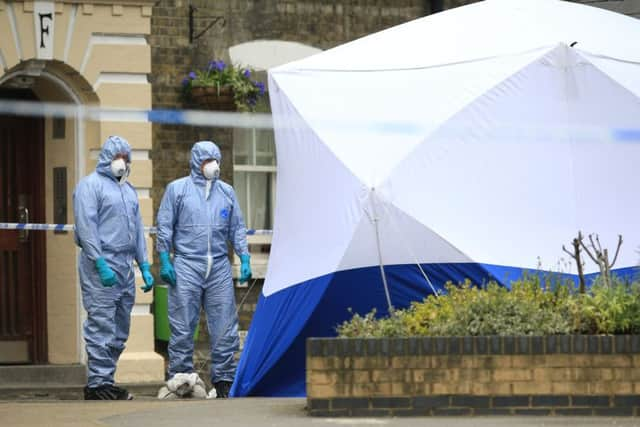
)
(22, 260)
(42, 156)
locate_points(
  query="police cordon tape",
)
(71, 227)
(163, 116)
(505, 131)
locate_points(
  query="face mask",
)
(211, 170)
(118, 167)
(120, 170)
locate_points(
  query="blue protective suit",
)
(108, 225)
(197, 227)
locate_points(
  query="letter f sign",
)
(44, 29)
(44, 22)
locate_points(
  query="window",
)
(254, 154)
(58, 125)
(254, 179)
(254, 175)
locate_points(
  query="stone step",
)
(54, 391)
(35, 391)
(72, 374)
(56, 382)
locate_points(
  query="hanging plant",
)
(223, 87)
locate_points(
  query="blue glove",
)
(146, 276)
(107, 276)
(245, 268)
(167, 272)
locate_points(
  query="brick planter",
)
(555, 375)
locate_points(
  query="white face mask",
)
(120, 169)
(211, 170)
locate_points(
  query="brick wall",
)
(627, 7)
(578, 375)
(317, 23)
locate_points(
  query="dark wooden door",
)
(22, 253)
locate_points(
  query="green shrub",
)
(368, 326)
(535, 305)
(607, 310)
(494, 310)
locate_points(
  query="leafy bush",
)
(607, 310)
(368, 326)
(535, 305)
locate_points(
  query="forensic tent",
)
(472, 143)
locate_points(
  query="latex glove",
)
(107, 276)
(146, 276)
(245, 268)
(167, 272)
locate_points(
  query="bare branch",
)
(571, 254)
(576, 247)
(615, 257)
(593, 245)
(605, 262)
(586, 249)
(598, 242)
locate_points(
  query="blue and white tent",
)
(472, 143)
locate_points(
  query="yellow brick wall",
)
(399, 376)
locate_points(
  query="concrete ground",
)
(239, 413)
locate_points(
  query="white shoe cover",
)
(183, 386)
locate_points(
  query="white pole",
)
(375, 222)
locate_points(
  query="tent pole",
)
(384, 277)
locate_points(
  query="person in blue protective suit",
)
(110, 234)
(198, 215)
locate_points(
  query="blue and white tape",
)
(252, 232)
(164, 116)
(41, 227)
(506, 131)
(70, 227)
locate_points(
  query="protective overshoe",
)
(222, 389)
(106, 392)
(212, 393)
(183, 386)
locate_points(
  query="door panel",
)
(22, 253)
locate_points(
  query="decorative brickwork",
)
(556, 375)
